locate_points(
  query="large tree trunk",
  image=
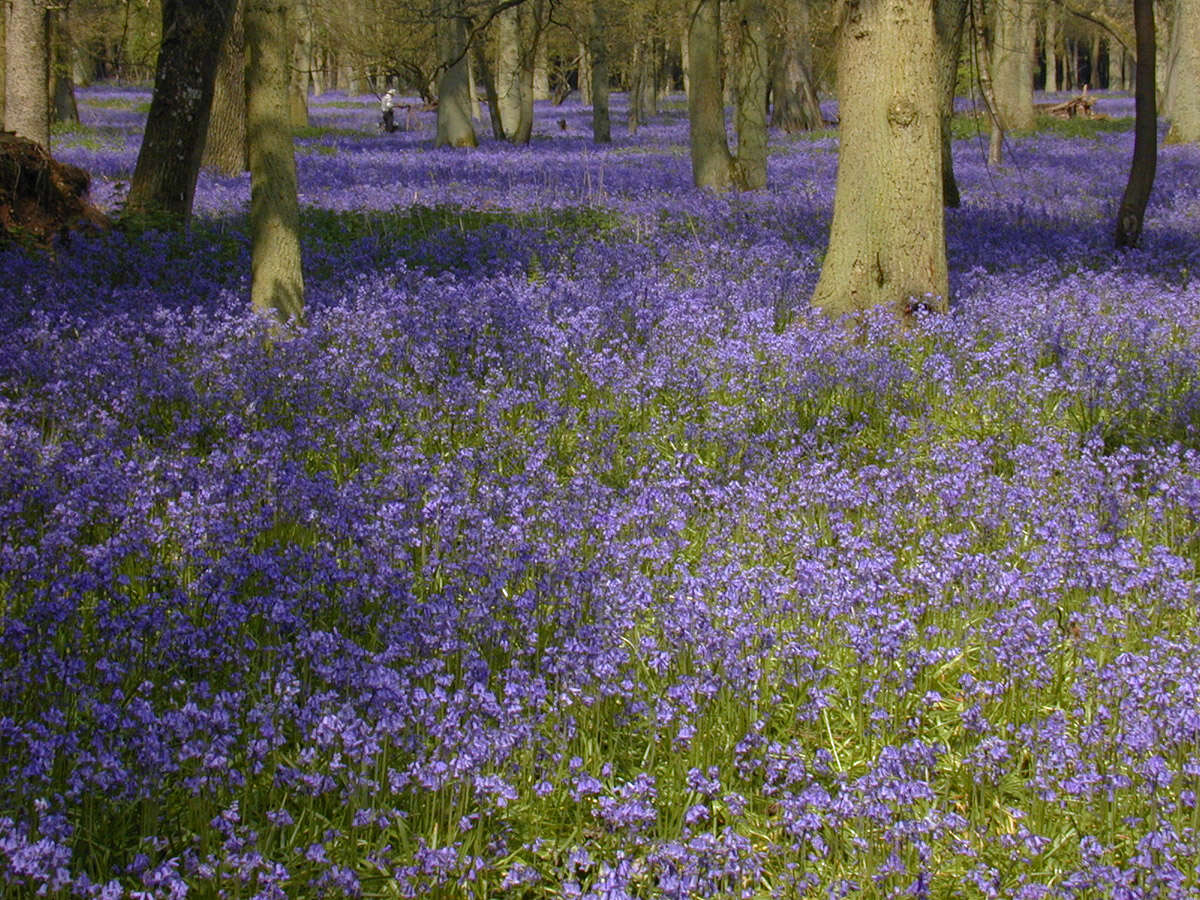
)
(598, 48)
(454, 128)
(712, 165)
(887, 244)
(1012, 62)
(164, 180)
(1145, 133)
(225, 144)
(1182, 105)
(277, 284)
(27, 60)
(950, 17)
(795, 107)
(62, 69)
(750, 168)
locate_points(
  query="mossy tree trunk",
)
(887, 243)
(277, 284)
(62, 67)
(164, 179)
(27, 61)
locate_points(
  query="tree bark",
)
(62, 77)
(164, 180)
(1012, 63)
(983, 54)
(750, 166)
(3, 60)
(712, 164)
(454, 128)
(887, 243)
(277, 283)
(1145, 132)
(508, 68)
(489, 87)
(225, 143)
(27, 60)
(1050, 48)
(795, 107)
(1183, 74)
(300, 67)
(598, 48)
(950, 17)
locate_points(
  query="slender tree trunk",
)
(508, 68)
(887, 243)
(598, 47)
(277, 283)
(225, 144)
(1145, 132)
(750, 169)
(950, 17)
(3, 60)
(454, 126)
(164, 180)
(62, 67)
(1183, 81)
(1051, 45)
(639, 72)
(541, 69)
(27, 59)
(300, 45)
(583, 79)
(712, 165)
(1012, 63)
(530, 39)
(489, 87)
(796, 107)
(983, 54)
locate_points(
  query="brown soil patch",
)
(39, 196)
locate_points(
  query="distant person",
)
(387, 111)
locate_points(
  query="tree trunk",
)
(1183, 74)
(1145, 133)
(62, 76)
(750, 169)
(508, 68)
(164, 179)
(950, 17)
(583, 80)
(1094, 63)
(541, 69)
(1012, 63)
(712, 165)
(299, 27)
(3, 60)
(454, 128)
(27, 60)
(983, 54)
(277, 283)
(1050, 48)
(225, 143)
(887, 243)
(796, 107)
(598, 48)
(489, 87)
(530, 40)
